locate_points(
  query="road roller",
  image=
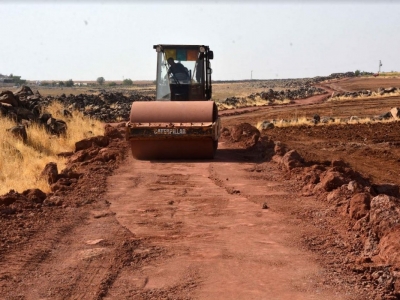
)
(183, 122)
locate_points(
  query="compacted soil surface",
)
(260, 221)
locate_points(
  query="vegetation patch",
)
(22, 161)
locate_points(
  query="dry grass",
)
(363, 97)
(21, 163)
(333, 121)
(287, 122)
(248, 102)
(390, 74)
(137, 86)
(223, 90)
(79, 127)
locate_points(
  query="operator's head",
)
(171, 61)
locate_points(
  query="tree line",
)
(101, 81)
(70, 82)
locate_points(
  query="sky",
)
(62, 40)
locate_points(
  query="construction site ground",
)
(236, 227)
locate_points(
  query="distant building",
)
(80, 84)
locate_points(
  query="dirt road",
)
(178, 230)
(217, 241)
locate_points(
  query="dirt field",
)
(246, 225)
(350, 142)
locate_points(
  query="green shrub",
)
(127, 82)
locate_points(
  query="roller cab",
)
(183, 122)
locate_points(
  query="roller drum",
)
(173, 130)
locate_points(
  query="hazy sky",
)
(82, 41)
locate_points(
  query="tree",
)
(69, 83)
(357, 72)
(100, 80)
(127, 82)
(112, 83)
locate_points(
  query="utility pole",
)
(251, 75)
(380, 65)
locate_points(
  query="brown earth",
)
(257, 222)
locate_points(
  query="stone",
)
(267, 125)
(50, 172)
(331, 180)
(354, 186)
(389, 247)
(43, 118)
(338, 163)
(24, 91)
(8, 97)
(384, 214)
(279, 148)
(385, 116)
(292, 159)
(19, 131)
(246, 134)
(395, 112)
(35, 195)
(112, 132)
(96, 141)
(387, 189)
(57, 127)
(24, 113)
(66, 113)
(359, 205)
(390, 90)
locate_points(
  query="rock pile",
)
(367, 93)
(25, 107)
(271, 95)
(245, 134)
(107, 107)
(294, 83)
(394, 113)
(300, 93)
(334, 76)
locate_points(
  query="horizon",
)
(214, 80)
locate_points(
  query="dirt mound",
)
(352, 143)
(243, 135)
(372, 212)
